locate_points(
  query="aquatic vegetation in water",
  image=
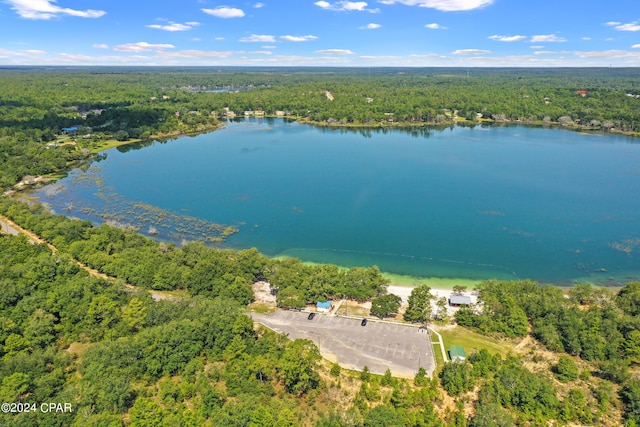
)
(518, 232)
(116, 210)
(492, 213)
(53, 189)
(627, 245)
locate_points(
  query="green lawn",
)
(111, 143)
(472, 341)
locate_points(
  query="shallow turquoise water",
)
(503, 202)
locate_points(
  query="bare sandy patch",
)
(262, 294)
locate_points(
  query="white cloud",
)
(379, 57)
(193, 54)
(470, 52)
(435, 26)
(257, 38)
(269, 47)
(335, 52)
(297, 38)
(44, 9)
(547, 38)
(443, 5)
(371, 26)
(508, 38)
(174, 26)
(224, 12)
(632, 26)
(142, 47)
(76, 58)
(428, 56)
(550, 52)
(258, 5)
(636, 46)
(537, 47)
(586, 39)
(100, 46)
(4, 53)
(354, 5)
(608, 54)
(346, 6)
(261, 52)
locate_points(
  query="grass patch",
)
(436, 350)
(352, 308)
(262, 308)
(169, 295)
(111, 143)
(472, 341)
(56, 176)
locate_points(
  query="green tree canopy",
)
(385, 305)
(419, 308)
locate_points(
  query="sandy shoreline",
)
(433, 282)
(405, 291)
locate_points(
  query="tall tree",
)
(385, 305)
(628, 298)
(298, 365)
(419, 309)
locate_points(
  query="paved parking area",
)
(378, 345)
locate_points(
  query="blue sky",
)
(428, 33)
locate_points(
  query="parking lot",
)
(378, 345)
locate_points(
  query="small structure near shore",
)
(323, 306)
(459, 300)
(457, 353)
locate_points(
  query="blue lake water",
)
(504, 202)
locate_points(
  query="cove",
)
(477, 203)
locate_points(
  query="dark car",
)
(311, 316)
(364, 322)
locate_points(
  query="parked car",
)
(364, 322)
(311, 316)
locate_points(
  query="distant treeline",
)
(121, 103)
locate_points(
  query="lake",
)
(486, 202)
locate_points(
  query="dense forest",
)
(130, 331)
(121, 358)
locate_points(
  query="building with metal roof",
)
(459, 300)
(457, 353)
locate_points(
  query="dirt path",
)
(15, 229)
(5, 228)
(10, 227)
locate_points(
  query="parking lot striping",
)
(379, 345)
